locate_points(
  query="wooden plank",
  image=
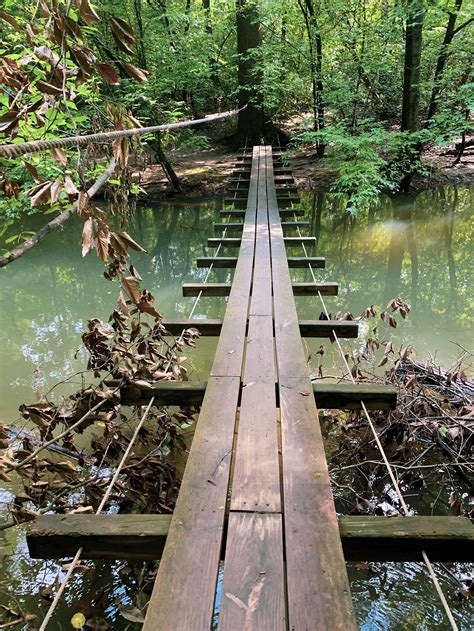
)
(308, 328)
(230, 348)
(340, 396)
(100, 536)
(224, 242)
(295, 241)
(256, 480)
(166, 393)
(313, 289)
(184, 591)
(217, 261)
(316, 574)
(142, 537)
(208, 327)
(261, 289)
(325, 328)
(372, 538)
(206, 289)
(305, 261)
(348, 396)
(229, 226)
(253, 592)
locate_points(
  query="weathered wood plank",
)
(230, 348)
(231, 261)
(341, 396)
(184, 590)
(217, 261)
(370, 538)
(229, 226)
(308, 328)
(313, 289)
(208, 327)
(206, 289)
(364, 537)
(256, 480)
(316, 575)
(306, 261)
(253, 591)
(292, 212)
(261, 292)
(348, 396)
(292, 241)
(325, 328)
(224, 242)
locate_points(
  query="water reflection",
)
(418, 247)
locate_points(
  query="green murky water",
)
(418, 248)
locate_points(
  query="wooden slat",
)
(305, 261)
(217, 261)
(230, 348)
(318, 590)
(308, 328)
(184, 590)
(234, 242)
(292, 212)
(256, 481)
(208, 327)
(253, 591)
(325, 328)
(372, 538)
(262, 289)
(229, 226)
(231, 261)
(295, 224)
(295, 241)
(364, 537)
(224, 242)
(232, 213)
(341, 396)
(206, 289)
(348, 396)
(313, 289)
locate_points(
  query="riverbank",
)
(205, 172)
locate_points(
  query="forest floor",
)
(205, 172)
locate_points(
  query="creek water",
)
(415, 247)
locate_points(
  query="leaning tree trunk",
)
(250, 74)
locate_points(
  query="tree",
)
(250, 70)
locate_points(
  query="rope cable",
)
(12, 150)
(404, 505)
(74, 562)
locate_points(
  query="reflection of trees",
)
(402, 238)
(448, 208)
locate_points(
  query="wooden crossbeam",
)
(231, 261)
(308, 328)
(239, 225)
(142, 537)
(284, 212)
(223, 289)
(342, 396)
(234, 242)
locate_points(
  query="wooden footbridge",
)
(256, 494)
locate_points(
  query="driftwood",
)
(447, 381)
(58, 221)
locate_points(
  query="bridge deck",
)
(265, 466)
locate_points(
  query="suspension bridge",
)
(255, 535)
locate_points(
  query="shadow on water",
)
(418, 247)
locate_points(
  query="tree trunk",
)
(316, 65)
(442, 58)
(250, 73)
(410, 154)
(141, 49)
(411, 77)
